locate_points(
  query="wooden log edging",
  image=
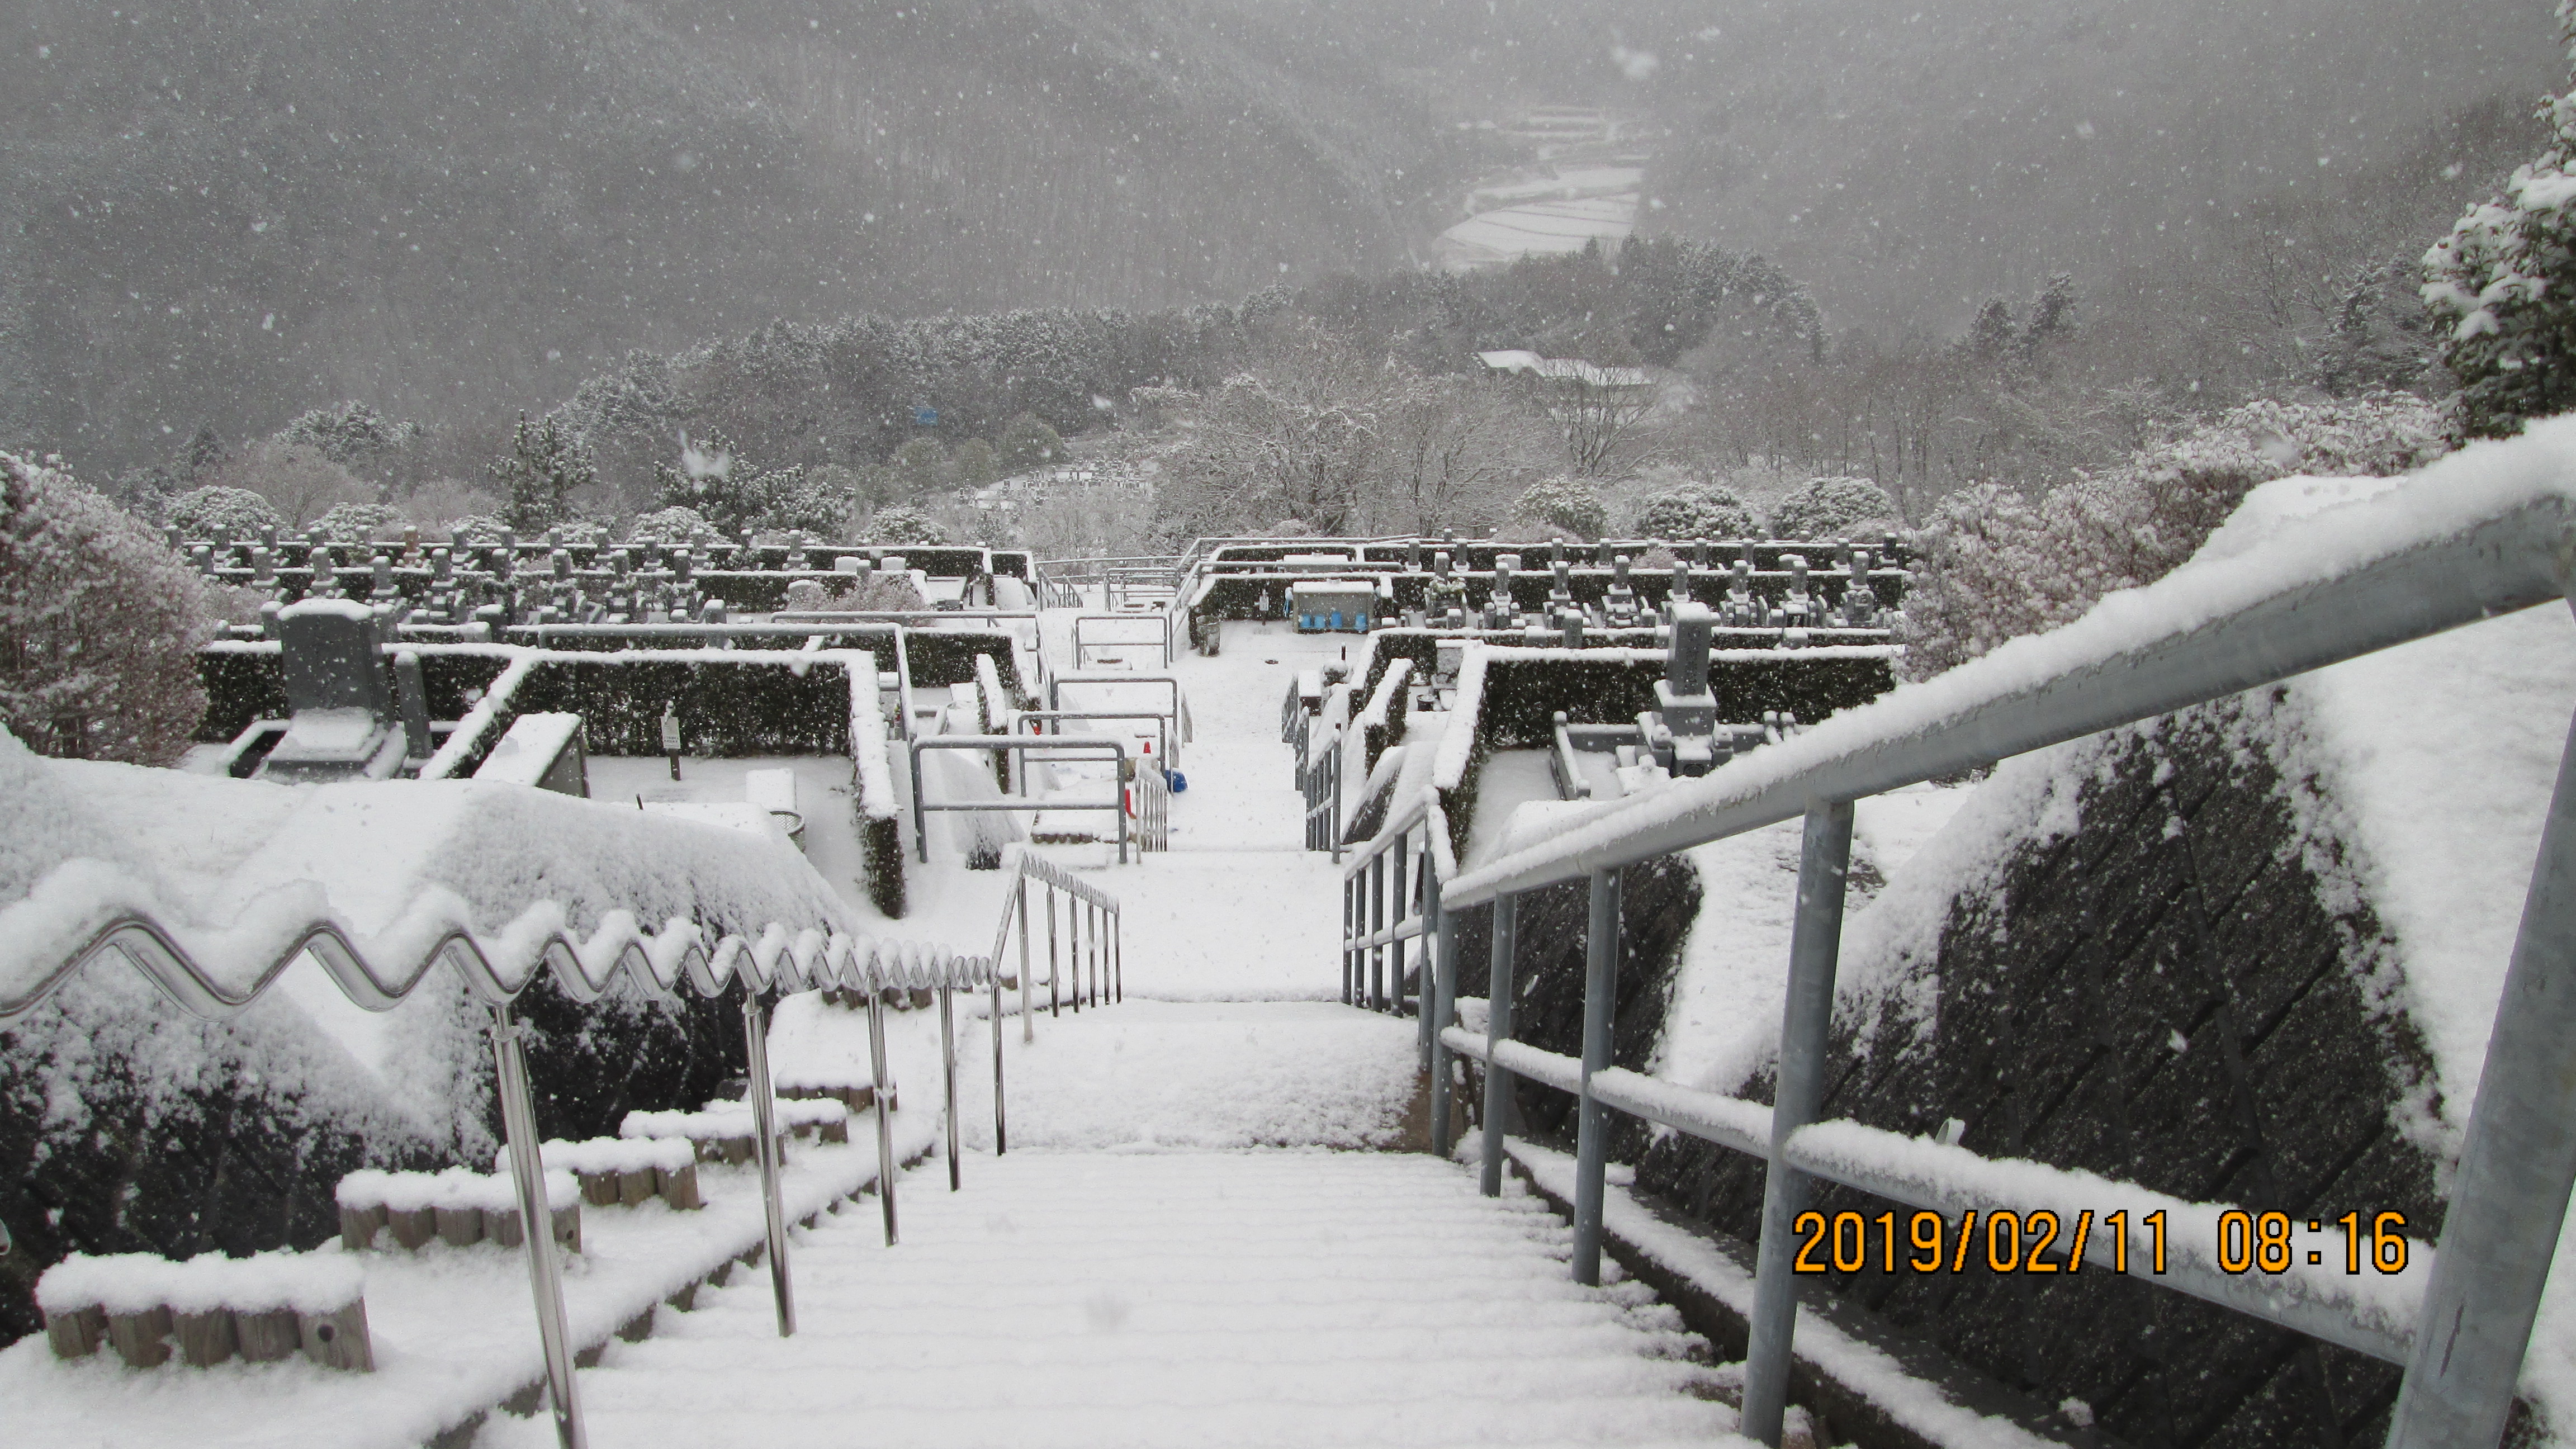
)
(458, 1207)
(208, 1309)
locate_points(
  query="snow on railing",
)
(2488, 530)
(380, 882)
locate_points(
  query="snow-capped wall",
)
(2247, 954)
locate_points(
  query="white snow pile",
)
(126, 1283)
(236, 871)
(598, 1155)
(733, 1119)
(455, 1189)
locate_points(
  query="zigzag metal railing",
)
(435, 929)
(2490, 530)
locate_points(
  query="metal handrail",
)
(1100, 747)
(1163, 723)
(1163, 635)
(1015, 906)
(778, 956)
(2488, 531)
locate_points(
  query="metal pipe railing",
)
(2493, 536)
(1163, 723)
(777, 958)
(1078, 747)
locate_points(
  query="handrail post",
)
(1351, 893)
(1073, 945)
(1055, 994)
(1028, 1018)
(1592, 1125)
(1118, 950)
(1001, 1123)
(920, 825)
(536, 1219)
(885, 1124)
(1399, 907)
(1440, 971)
(764, 1123)
(1806, 1018)
(2517, 1166)
(1334, 819)
(948, 1072)
(1498, 1029)
(1377, 926)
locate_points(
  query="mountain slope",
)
(215, 215)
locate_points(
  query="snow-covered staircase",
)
(1198, 1239)
(1290, 1298)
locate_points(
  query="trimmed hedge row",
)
(726, 709)
(742, 592)
(1240, 596)
(1522, 697)
(531, 555)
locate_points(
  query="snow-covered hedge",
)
(98, 624)
(1995, 566)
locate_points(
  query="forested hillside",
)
(1910, 159)
(220, 215)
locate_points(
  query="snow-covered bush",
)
(1289, 528)
(1704, 512)
(361, 523)
(477, 528)
(673, 525)
(905, 524)
(2503, 285)
(1991, 566)
(234, 603)
(99, 624)
(236, 513)
(1834, 508)
(883, 592)
(1563, 503)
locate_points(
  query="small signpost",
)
(671, 735)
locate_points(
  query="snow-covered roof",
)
(1523, 363)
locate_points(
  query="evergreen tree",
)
(1028, 443)
(547, 465)
(920, 467)
(205, 455)
(740, 498)
(2502, 286)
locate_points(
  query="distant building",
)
(1569, 372)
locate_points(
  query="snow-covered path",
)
(1198, 1239)
(1291, 1298)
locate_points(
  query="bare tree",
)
(1598, 408)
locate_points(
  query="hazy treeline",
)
(223, 215)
